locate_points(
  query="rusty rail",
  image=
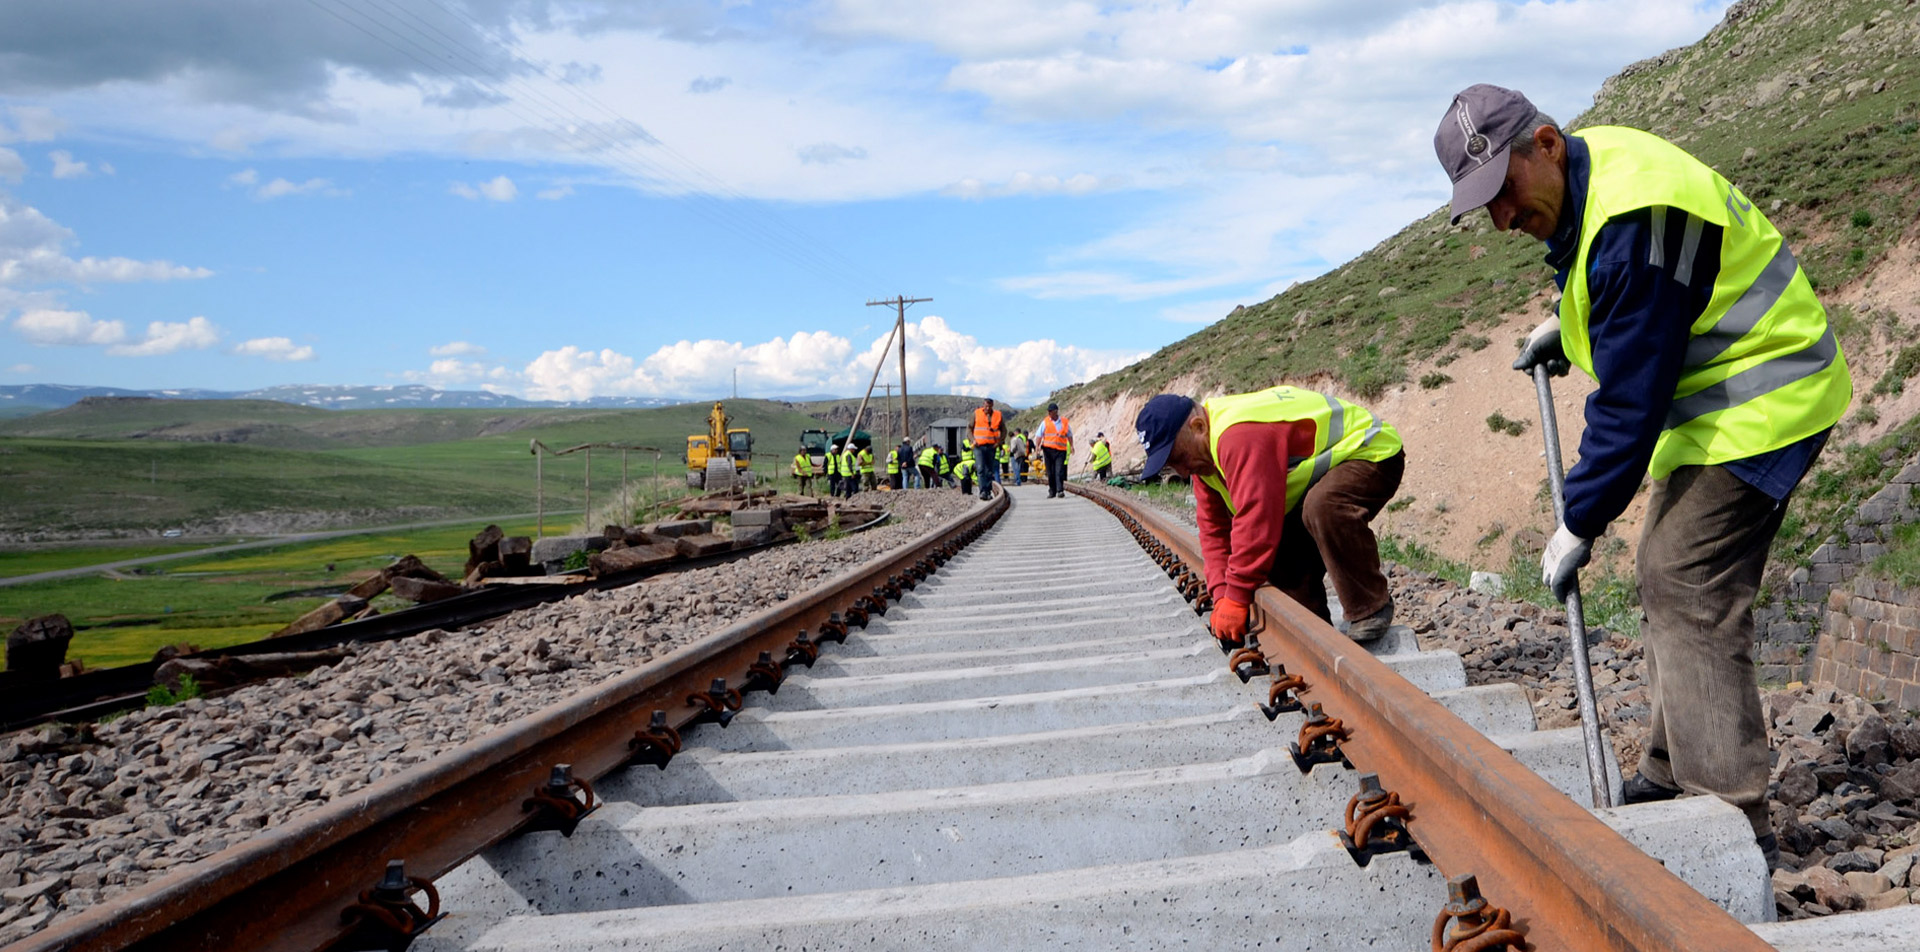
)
(286, 889)
(1570, 880)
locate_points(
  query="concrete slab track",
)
(1039, 748)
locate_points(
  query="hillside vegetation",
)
(135, 467)
(1808, 105)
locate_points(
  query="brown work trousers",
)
(1327, 536)
(1701, 554)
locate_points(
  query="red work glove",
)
(1229, 621)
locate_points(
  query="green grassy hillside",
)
(1808, 105)
(98, 480)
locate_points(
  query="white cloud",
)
(939, 360)
(65, 167)
(21, 369)
(12, 167)
(166, 337)
(499, 189)
(33, 251)
(29, 124)
(555, 193)
(249, 179)
(274, 348)
(1026, 183)
(58, 328)
(458, 348)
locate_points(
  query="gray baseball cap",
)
(1472, 142)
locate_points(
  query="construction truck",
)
(722, 457)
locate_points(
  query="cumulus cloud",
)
(12, 167)
(66, 167)
(21, 369)
(555, 193)
(500, 189)
(33, 251)
(458, 348)
(939, 359)
(274, 348)
(29, 124)
(60, 328)
(166, 337)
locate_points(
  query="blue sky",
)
(561, 199)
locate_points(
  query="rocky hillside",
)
(1809, 105)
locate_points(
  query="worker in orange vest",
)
(1056, 442)
(987, 429)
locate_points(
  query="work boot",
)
(1373, 626)
(1638, 789)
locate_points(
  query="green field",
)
(222, 599)
(52, 559)
(122, 466)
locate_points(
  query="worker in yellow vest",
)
(1102, 460)
(833, 470)
(928, 462)
(963, 471)
(1718, 376)
(803, 471)
(893, 468)
(1056, 443)
(866, 466)
(1285, 482)
(849, 470)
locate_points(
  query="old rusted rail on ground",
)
(1571, 882)
(286, 889)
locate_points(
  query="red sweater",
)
(1238, 549)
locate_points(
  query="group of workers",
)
(1717, 375)
(987, 455)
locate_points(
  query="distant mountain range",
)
(53, 396)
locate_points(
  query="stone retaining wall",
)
(1869, 640)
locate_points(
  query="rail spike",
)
(1319, 741)
(1467, 923)
(387, 917)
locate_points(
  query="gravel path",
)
(89, 813)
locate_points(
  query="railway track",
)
(1035, 746)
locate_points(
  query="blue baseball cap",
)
(1156, 426)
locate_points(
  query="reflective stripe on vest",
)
(1341, 431)
(1056, 437)
(1762, 369)
(986, 429)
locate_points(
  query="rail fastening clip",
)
(1319, 741)
(386, 917)
(555, 801)
(718, 705)
(1377, 823)
(1468, 924)
(657, 744)
(1283, 693)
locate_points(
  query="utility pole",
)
(890, 440)
(900, 303)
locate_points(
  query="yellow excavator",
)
(722, 457)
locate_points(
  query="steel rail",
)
(1570, 880)
(286, 889)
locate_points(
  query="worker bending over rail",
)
(1718, 376)
(1102, 458)
(1284, 483)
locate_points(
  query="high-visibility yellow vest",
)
(964, 469)
(1763, 369)
(802, 464)
(866, 460)
(849, 463)
(1341, 431)
(926, 457)
(1102, 454)
(893, 462)
(833, 464)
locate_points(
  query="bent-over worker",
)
(1284, 483)
(1718, 376)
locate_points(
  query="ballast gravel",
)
(89, 813)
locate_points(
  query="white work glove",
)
(1560, 563)
(1542, 348)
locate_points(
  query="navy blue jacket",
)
(1644, 300)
